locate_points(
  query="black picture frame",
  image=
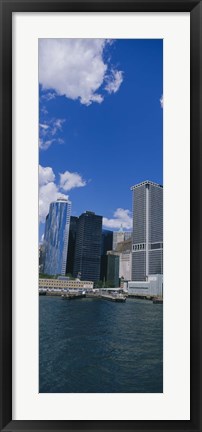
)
(6, 9)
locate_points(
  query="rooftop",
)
(146, 182)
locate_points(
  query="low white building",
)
(152, 287)
(65, 283)
(125, 264)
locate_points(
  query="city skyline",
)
(91, 138)
(100, 202)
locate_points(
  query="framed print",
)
(100, 205)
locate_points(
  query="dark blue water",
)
(96, 346)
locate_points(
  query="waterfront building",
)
(153, 286)
(64, 283)
(56, 237)
(147, 239)
(107, 241)
(71, 244)
(88, 247)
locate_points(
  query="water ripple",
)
(99, 346)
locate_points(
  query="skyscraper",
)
(56, 237)
(107, 240)
(88, 247)
(71, 244)
(147, 241)
(113, 269)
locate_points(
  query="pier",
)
(73, 296)
(101, 294)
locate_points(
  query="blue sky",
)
(101, 124)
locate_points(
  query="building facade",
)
(107, 241)
(120, 236)
(147, 238)
(152, 287)
(124, 249)
(71, 244)
(113, 269)
(88, 247)
(64, 284)
(56, 237)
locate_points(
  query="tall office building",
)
(56, 237)
(107, 241)
(113, 269)
(71, 244)
(106, 245)
(88, 247)
(147, 240)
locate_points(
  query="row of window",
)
(142, 246)
(63, 284)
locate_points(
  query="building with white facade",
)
(152, 287)
(125, 259)
(147, 238)
(120, 236)
(65, 284)
(125, 264)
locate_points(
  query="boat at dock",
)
(73, 296)
(42, 292)
(113, 297)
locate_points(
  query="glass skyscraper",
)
(147, 239)
(56, 237)
(88, 247)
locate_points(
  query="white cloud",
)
(76, 68)
(56, 126)
(48, 96)
(70, 181)
(161, 101)
(44, 110)
(45, 144)
(44, 126)
(122, 218)
(114, 81)
(46, 175)
(49, 132)
(49, 191)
